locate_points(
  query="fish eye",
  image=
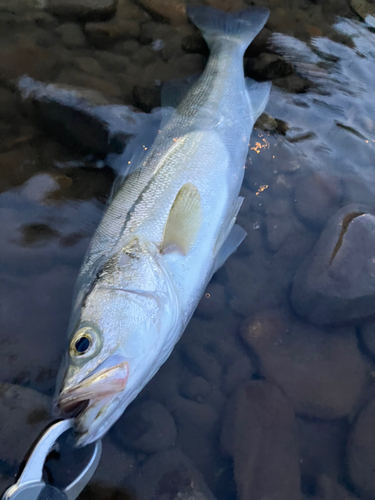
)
(84, 342)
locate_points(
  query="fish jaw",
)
(94, 393)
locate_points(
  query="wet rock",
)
(71, 35)
(24, 413)
(213, 301)
(146, 98)
(367, 334)
(9, 103)
(39, 187)
(320, 369)
(80, 115)
(171, 475)
(292, 83)
(127, 47)
(321, 446)
(336, 282)
(361, 452)
(20, 6)
(33, 61)
(238, 371)
(365, 9)
(77, 79)
(269, 124)
(88, 65)
(328, 489)
(196, 389)
(147, 427)
(201, 362)
(82, 9)
(281, 228)
(112, 62)
(173, 11)
(268, 66)
(228, 5)
(258, 431)
(105, 34)
(317, 197)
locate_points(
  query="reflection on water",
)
(269, 393)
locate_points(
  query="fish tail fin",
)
(239, 27)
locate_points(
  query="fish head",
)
(126, 323)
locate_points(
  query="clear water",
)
(317, 158)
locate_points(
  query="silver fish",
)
(169, 227)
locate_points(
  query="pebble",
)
(336, 282)
(320, 369)
(147, 427)
(72, 35)
(170, 475)
(361, 452)
(212, 302)
(82, 9)
(24, 413)
(258, 431)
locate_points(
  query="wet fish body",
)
(168, 228)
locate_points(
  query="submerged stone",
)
(320, 369)
(336, 282)
(258, 431)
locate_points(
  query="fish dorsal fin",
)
(184, 221)
(227, 225)
(230, 245)
(258, 94)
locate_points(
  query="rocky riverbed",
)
(270, 393)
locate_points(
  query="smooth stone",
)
(72, 35)
(89, 65)
(22, 6)
(112, 62)
(147, 427)
(201, 362)
(172, 11)
(238, 371)
(105, 34)
(361, 452)
(77, 79)
(329, 489)
(39, 187)
(268, 66)
(196, 389)
(212, 302)
(336, 282)
(320, 369)
(83, 9)
(170, 475)
(24, 413)
(321, 446)
(258, 431)
(317, 197)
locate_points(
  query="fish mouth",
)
(88, 400)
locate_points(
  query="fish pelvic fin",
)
(239, 27)
(184, 221)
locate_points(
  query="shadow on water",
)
(270, 391)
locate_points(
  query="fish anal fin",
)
(184, 221)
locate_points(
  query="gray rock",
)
(321, 446)
(317, 197)
(105, 34)
(361, 452)
(336, 283)
(22, 6)
(329, 489)
(213, 301)
(147, 427)
(201, 362)
(238, 371)
(172, 11)
(258, 431)
(320, 369)
(196, 389)
(83, 9)
(24, 413)
(171, 475)
(71, 35)
(89, 65)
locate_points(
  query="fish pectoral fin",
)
(184, 221)
(258, 94)
(230, 245)
(227, 225)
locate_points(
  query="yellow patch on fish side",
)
(184, 221)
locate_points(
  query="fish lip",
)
(104, 383)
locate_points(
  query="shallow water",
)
(269, 393)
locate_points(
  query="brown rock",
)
(35, 62)
(20, 6)
(78, 79)
(83, 9)
(71, 35)
(361, 452)
(106, 34)
(258, 431)
(173, 11)
(320, 369)
(336, 283)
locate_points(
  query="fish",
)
(168, 228)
